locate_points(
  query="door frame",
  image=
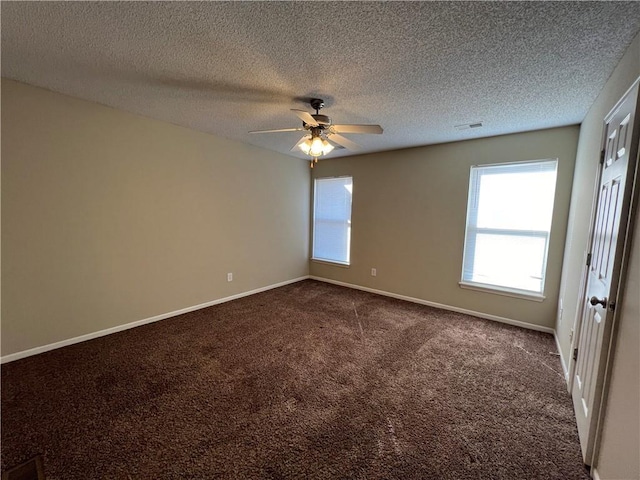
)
(626, 252)
(608, 350)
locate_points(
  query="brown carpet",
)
(306, 381)
(32, 469)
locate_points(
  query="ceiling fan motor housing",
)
(323, 121)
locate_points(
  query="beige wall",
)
(408, 220)
(110, 218)
(620, 442)
(586, 169)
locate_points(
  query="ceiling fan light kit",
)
(315, 146)
(321, 130)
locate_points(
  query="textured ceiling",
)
(416, 68)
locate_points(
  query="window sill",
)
(507, 292)
(330, 262)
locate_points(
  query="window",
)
(332, 219)
(508, 223)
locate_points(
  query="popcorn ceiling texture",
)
(416, 68)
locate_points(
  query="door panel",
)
(602, 280)
(609, 235)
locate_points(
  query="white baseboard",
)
(562, 362)
(101, 333)
(594, 474)
(119, 328)
(517, 323)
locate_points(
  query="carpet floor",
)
(307, 381)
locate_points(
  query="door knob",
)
(595, 301)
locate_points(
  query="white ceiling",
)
(416, 68)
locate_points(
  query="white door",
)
(614, 198)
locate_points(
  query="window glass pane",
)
(332, 219)
(509, 214)
(516, 201)
(509, 261)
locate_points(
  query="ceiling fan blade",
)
(336, 145)
(277, 130)
(345, 142)
(295, 147)
(305, 117)
(357, 129)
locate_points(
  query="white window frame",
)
(472, 229)
(348, 223)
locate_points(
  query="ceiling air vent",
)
(467, 126)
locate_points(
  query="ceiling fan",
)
(322, 133)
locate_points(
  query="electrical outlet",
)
(374, 272)
(229, 277)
